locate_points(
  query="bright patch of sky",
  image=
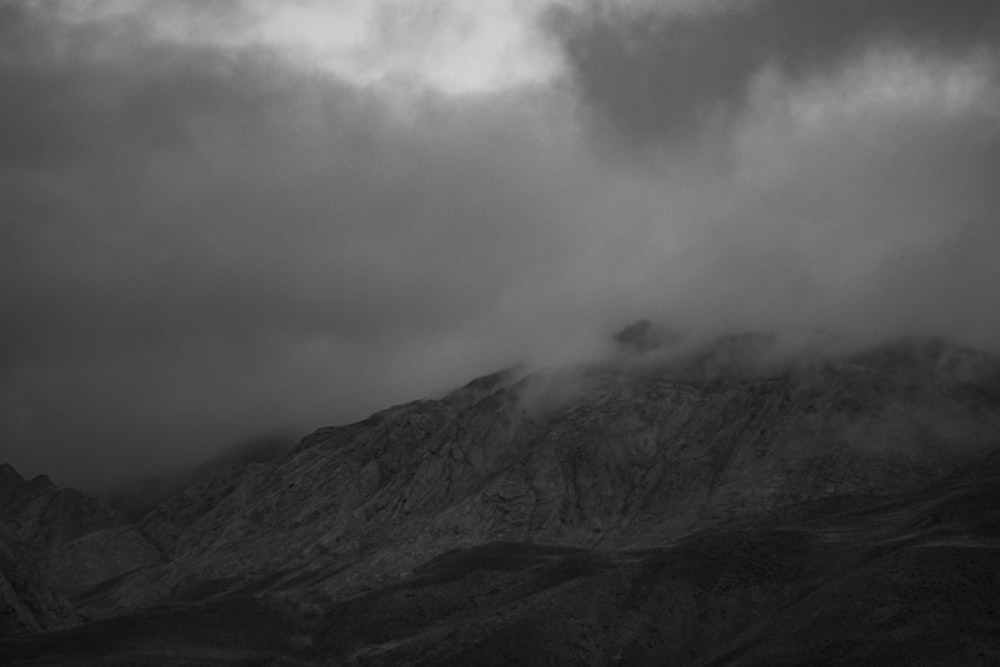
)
(875, 92)
(898, 81)
(453, 47)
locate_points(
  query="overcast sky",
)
(222, 219)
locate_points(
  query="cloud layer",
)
(211, 230)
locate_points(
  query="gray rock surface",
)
(27, 604)
(76, 540)
(618, 455)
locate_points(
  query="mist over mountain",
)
(221, 220)
(136, 498)
(737, 499)
(435, 226)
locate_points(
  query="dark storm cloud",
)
(202, 240)
(93, 286)
(203, 243)
(654, 73)
(71, 93)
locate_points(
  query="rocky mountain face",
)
(27, 603)
(733, 501)
(74, 541)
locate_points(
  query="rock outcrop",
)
(27, 603)
(77, 540)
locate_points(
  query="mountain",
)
(75, 541)
(736, 500)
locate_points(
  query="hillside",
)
(676, 503)
(75, 539)
(27, 603)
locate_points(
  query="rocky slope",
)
(612, 456)
(678, 504)
(910, 579)
(76, 540)
(27, 604)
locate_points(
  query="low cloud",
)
(205, 240)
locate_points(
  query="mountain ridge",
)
(428, 469)
(604, 469)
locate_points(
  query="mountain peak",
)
(42, 481)
(645, 335)
(9, 477)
